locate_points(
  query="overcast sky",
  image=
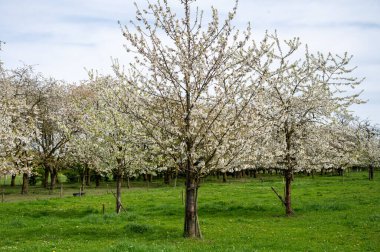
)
(63, 37)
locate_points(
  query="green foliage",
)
(332, 214)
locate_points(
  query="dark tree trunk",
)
(13, 180)
(191, 227)
(340, 171)
(82, 181)
(370, 171)
(97, 180)
(45, 181)
(167, 176)
(288, 193)
(254, 173)
(128, 183)
(88, 177)
(25, 184)
(288, 172)
(53, 178)
(119, 179)
(224, 177)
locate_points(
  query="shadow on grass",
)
(223, 208)
(69, 213)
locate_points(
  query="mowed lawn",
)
(331, 214)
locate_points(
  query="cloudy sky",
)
(61, 38)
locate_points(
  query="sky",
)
(63, 38)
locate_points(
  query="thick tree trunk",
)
(13, 180)
(288, 193)
(25, 184)
(224, 177)
(119, 179)
(191, 227)
(45, 181)
(254, 174)
(97, 180)
(167, 176)
(53, 178)
(370, 171)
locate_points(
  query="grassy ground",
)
(332, 214)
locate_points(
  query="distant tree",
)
(56, 125)
(299, 95)
(108, 135)
(18, 116)
(368, 145)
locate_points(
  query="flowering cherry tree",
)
(108, 133)
(18, 116)
(368, 145)
(191, 86)
(301, 94)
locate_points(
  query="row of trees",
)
(195, 100)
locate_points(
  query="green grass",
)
(332, 214)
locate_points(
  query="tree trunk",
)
(128, 183)
(25, 184)
(88, 177)
(97, 180)
(45, 182)
(53, 178)
(167, 176)
(150, 178)
(254, 174)
(288, 193)
(13, 180)
(82, 182)
(370, 171)
(224, 177)
(191, 227)
(119, 179)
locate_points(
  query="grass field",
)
(332, 214)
